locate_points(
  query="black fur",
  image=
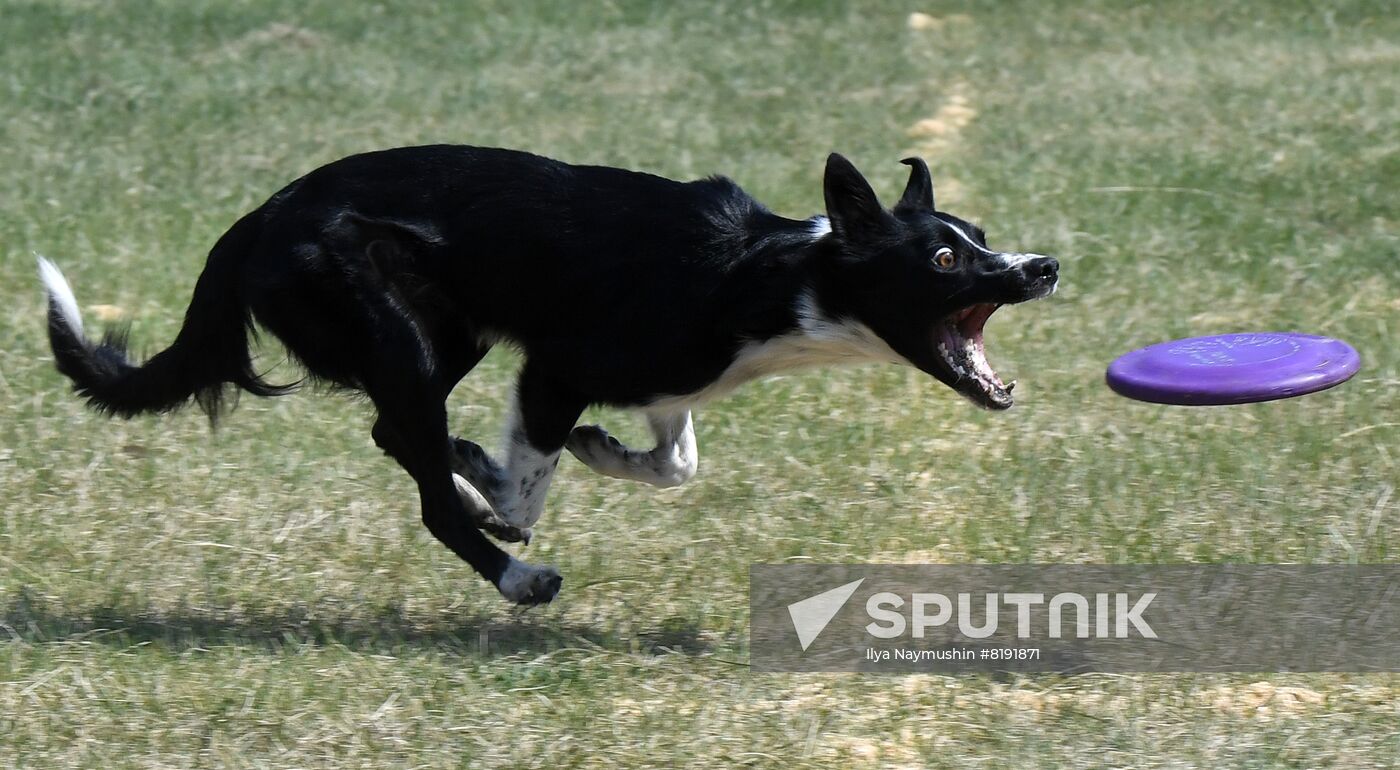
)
(210, 351)
(394, 272)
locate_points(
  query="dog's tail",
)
(210, 350)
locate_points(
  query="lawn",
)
(265, 596)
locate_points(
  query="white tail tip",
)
(61, 294)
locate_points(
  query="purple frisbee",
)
(1233, 368)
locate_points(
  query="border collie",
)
(394, 272)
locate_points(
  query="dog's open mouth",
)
(959, 340)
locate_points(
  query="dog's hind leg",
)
(411, 410)
(374, 345)
(671, 463)
(474, 475)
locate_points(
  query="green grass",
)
(264, 596)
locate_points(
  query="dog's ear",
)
(851, 206)
(918, 194)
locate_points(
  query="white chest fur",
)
(817, 341)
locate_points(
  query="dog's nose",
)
(1044, 268)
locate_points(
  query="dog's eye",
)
(944, 258)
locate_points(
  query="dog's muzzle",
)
(958, 337)
(1038, 275)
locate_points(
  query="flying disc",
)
(1233, 368)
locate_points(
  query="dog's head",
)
(924, 280)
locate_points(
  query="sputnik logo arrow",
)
(811, 615)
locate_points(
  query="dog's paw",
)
(504, 532)
(528, 585)
(589, 443)
(483, 514)
(471, 462)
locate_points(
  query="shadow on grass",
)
(383, 630)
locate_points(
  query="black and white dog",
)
(394, 272)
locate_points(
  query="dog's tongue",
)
(970, 326)
(971, 321)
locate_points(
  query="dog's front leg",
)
(537, 427)
(481, 484)
(671, 463)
